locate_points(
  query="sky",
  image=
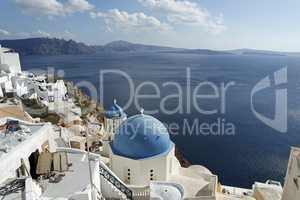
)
(211, 24)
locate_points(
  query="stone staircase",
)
(113, 186)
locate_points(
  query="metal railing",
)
(12, 187)
(115, 182)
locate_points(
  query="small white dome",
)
(166, 191)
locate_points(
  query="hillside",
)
(47, 46)
(54, 46)
(124, 46)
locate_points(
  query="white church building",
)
(142, 154)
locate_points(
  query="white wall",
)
(105, 148)
(96, 178)
(140, 169)
(32, 190)
(12, 60)
(291, 189)
(111, 126)
(58, 90)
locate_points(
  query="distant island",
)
(124, 46)
(47, 46)
(55, 46)
(260, 52)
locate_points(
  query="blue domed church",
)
(142, 155)
(142, 150)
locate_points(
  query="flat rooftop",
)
(76, 179)
(194, 182)
(236, 191)
(12, 139)
(14, 110)
(268, 191)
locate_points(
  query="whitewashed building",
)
(34, 167)
(143, 155)
(25, 85)
(9, 61)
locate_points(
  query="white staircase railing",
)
(116, 183)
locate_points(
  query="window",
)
(128, 175)
(151, 175)
(51, 98)
(49, 87)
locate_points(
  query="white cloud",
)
(4, 32)
(78, 6)
(41, 7)
(186, 12)
(40, 33)
(66, 34)
(131, 22)
(53, 7)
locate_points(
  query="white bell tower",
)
(114, 116)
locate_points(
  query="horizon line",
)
(157, 45)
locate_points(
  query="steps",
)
(114, 184)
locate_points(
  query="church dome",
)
(141, 136)
(115, 111)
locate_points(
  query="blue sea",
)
(255, 152)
